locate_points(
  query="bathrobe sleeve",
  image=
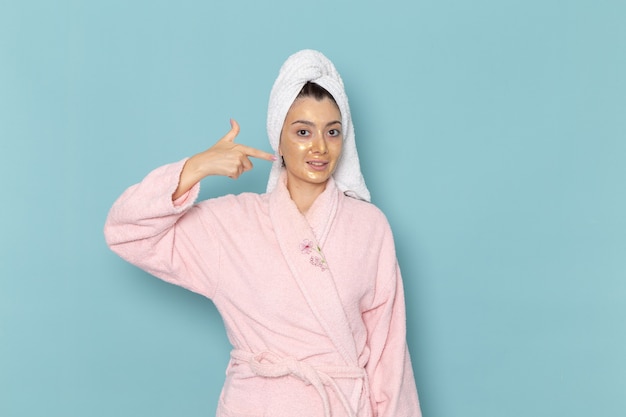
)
(162, 237)
(393, 389)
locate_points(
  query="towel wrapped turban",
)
(312, 66)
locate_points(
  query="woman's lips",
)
(317, 165)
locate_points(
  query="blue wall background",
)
(492, 134)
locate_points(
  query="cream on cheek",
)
(291, 145)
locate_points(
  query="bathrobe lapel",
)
(301, 243)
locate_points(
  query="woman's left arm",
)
(392, 383)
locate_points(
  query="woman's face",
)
(311, 141)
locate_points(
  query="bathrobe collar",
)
(301, 239)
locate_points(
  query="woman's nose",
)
(318, 144)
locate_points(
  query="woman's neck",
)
(304, 195)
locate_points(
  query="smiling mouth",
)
(318, 166)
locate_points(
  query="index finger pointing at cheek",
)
(256, 153)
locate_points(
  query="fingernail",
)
(274, 158)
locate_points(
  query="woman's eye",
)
(302, 132)
(334, 132)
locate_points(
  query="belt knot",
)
(270, 365)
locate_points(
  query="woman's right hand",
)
(225, 158)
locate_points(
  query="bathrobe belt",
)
(271, 365)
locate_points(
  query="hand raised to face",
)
(226, 158)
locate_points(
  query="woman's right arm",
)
(155, 226)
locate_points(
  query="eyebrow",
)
(309, 123)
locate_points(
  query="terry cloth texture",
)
(313, 304)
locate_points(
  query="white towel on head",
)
(300, 68)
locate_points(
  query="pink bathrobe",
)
(313, 305)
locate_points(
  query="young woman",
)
(305, 275)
